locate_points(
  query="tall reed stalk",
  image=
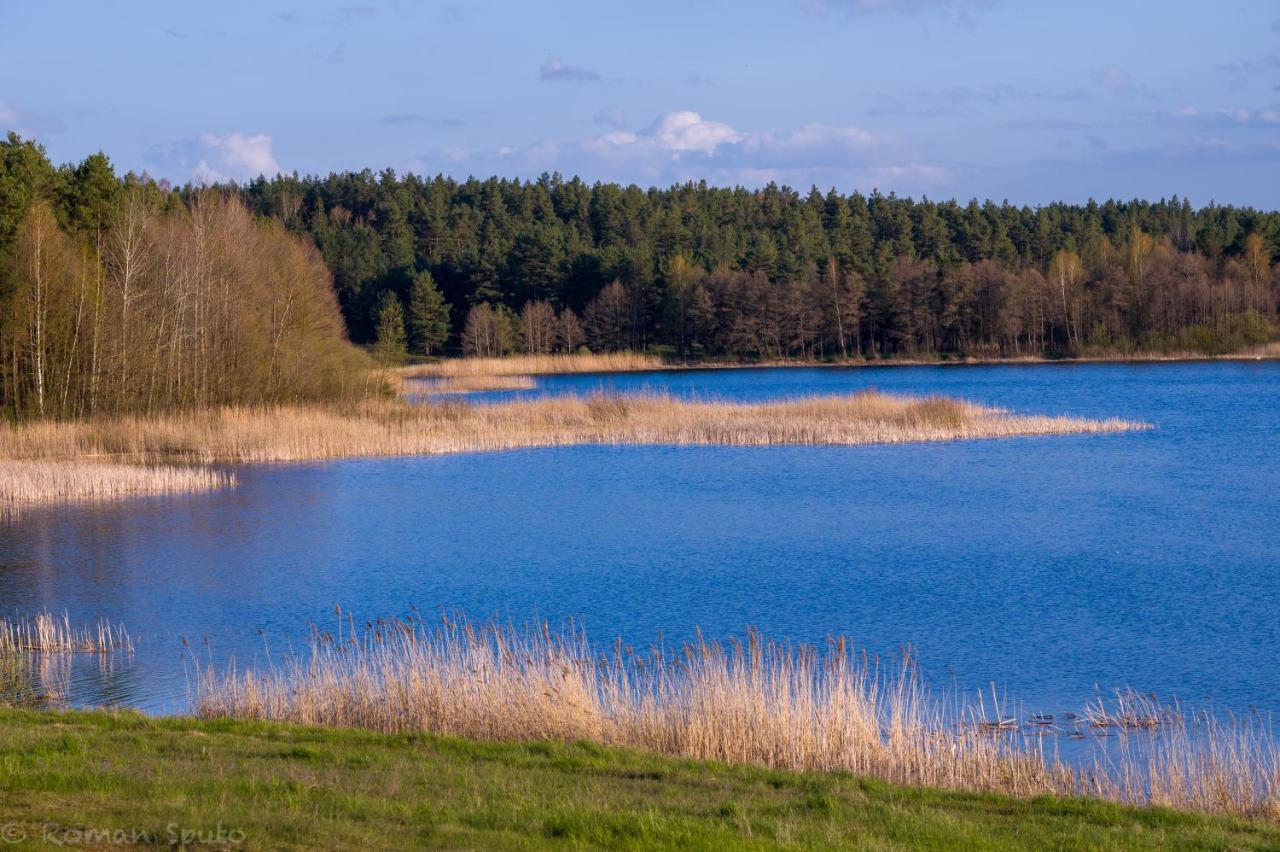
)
(755, 701)
(46, 633)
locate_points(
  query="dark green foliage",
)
(428, 315)
(921, 285)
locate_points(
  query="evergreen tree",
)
(428, 315)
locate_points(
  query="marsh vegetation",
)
(750, 702)
(388, 427)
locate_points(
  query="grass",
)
(756, 703)
(279, 786)
(391, 428)
(25, 483)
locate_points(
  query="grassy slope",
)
(288, 787)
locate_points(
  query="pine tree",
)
(428, 315)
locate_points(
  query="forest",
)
(699, 271)
(121, 293)
(123, 296)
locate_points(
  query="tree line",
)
(774, 273)
(122, 295)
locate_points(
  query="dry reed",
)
(390, 427)
(533, 365)
(470, 384)
(32, 482)
(754, 702)
(45, 633)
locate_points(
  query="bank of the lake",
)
(77, 776)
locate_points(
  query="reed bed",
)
(392, 427)
(754, 702)
(24, 483)
(46, 633)
(533, 365)
(471, 384)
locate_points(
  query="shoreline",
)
(474, 375)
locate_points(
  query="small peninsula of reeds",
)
(390, 427)
(753, 702)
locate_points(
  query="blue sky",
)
(1030, 101)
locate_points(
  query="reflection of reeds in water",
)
(390, 427)
(26, 482)
(45, 633)
(36, 655)
(754, 702)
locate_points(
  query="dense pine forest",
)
(775, 273)
(121, 292)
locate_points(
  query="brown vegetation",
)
(166, 306)
(389, 427)
(25, 483)
(535, 365)
(756, 702)
(45, 633)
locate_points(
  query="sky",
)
(1023, 100)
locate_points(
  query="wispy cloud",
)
(683, 145)
(1116, 80)
(26, 122)
(556, 70)
(611, 116)
(1224, 116)
(1252, 67)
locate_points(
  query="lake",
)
(1053, 567)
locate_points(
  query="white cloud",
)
(684, 130)
(235, 156)
(683, 145)
(213, 158)
(8, 115)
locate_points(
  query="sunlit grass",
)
(279, 786)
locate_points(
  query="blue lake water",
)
(1053, 567)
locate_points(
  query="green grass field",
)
(75, 778)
